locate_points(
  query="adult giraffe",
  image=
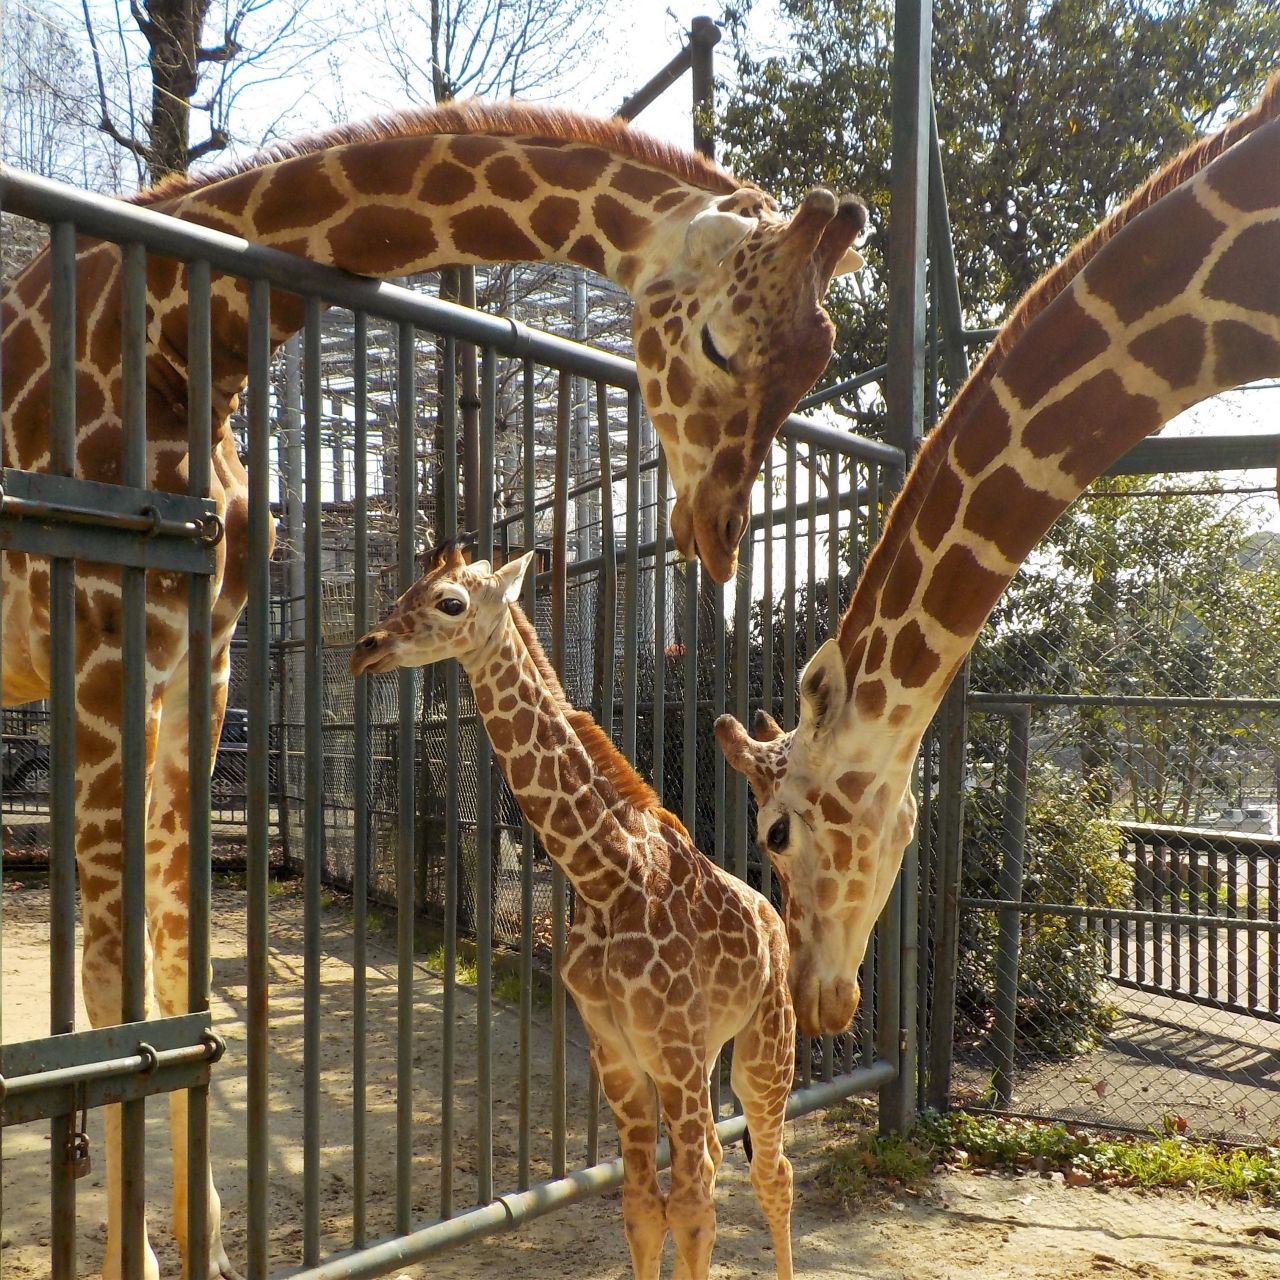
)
(1175, 298)
(729, 333)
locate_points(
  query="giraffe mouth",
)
(373, 660)
(711, 539)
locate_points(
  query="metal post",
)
(704, 35)
(904, 397)
(1013, 842)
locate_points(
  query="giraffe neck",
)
(400, 205)
(1180, 305)
(584, 825)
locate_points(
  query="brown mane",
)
(499, 119)
(632, 789)
(861, 608)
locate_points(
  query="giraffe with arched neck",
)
(1175, 298)
(668, 956)
(729, 332)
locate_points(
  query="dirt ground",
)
(963, 1227)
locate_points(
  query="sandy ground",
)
(963, 1227)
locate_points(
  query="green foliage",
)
(1169, 1159)
(861, 1157)
(1146, 588)
(1071, 856)
(1048, 115)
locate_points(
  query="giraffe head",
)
(728, 336)
(825, 819)
(455, 610)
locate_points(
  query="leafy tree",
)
(1147, 588)
(1049, 113)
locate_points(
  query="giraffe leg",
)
(100, 861)
(168, 855)
(691, 1214)
(763, 1066)
(635, 1111)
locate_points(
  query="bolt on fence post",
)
(1012, 870)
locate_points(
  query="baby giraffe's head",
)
(455, 610)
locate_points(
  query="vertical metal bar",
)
(660, 630)
(484, 817)
(703, 37)
(559, 582)
(360, 852)
(1195, 903)
(1160, 884)
(452, 904)
(406, 737)
(908, 204)
(789, 593)
(608, 609)
(1215, 907)
(313, 785)
(1273, 938)
(629, 598)
(1013, 845)
(62, 742)
(257, 864)
(833, 614)
(133, 752)
(199, 745)
(526, 834)
(1233, 933)
(766, 636)
(737, 815)
(689, 743)
(1252, 938)
(811, 550)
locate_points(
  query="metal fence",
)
(1119, 922)
(427, 828)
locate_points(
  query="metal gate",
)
(389, 791)
(136, 529)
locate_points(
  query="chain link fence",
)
(1119, 933)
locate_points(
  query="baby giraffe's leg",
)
(691, 1213)
(635, 1111)
(763, 1066)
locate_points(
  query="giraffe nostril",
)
(733, 529)
(369, 642)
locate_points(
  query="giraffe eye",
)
(451, 605)
(712, 352)
(779, 834)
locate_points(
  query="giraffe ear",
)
(713, 233)
(511, 577)
(848, 262)
(822, 689)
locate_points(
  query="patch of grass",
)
(506, 978)
(861, 1158)
(1169, 1159)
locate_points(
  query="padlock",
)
(80, 1162)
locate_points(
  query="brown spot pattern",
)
(912, 661)
(1004, 511)
(447, 183)
(508, 180)
(961, 592)
(977, 447)
(384, 169)
(587, 252)
(938, 511)
(624, 229)
(571, 168)
(300, 194)
(1244, 353)
(491, 234)
(900, 586)
(869, 697)
(1240, 180)
(1032, 369)
(1248, 273)
(1153, 259)
(1175, 350)
(554, 220)
(679, 383)
(643, 184)
(378, 239)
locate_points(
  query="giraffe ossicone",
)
(1175, 298)
(668, 956)
(729, 332)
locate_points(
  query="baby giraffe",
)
(668, 956)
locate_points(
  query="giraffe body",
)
(668, 956)
(728, 292)
(1176, 299)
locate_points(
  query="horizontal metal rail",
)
(30, 196)
(513, 1209)
(1074, 912)
(1000, 703)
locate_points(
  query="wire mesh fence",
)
(1120, 915)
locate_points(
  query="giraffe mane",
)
(551, 125)
(632, 789)
(861, 608)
